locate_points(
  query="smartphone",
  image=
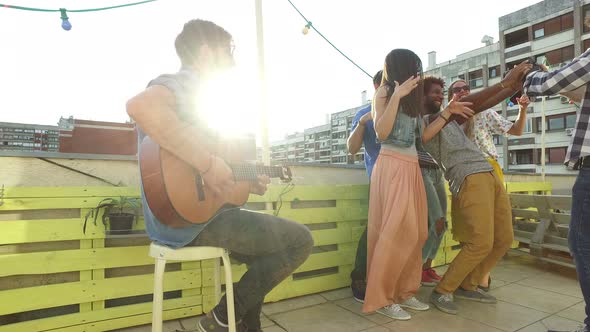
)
(518, 94)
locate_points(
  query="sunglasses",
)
(458, 89)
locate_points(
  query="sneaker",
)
(394, 311)
(358, 290)
(444, 303)
(433, 274)
(428, 280)
(414, 304)
(210, 324)
(474, 295)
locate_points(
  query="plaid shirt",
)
(571, 80)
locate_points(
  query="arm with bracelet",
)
(436, 122)
(491, 96)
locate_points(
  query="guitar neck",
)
(247, 172)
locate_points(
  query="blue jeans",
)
(272, 248)
(436, 195)
(579, 234)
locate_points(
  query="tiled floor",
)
(533, 297)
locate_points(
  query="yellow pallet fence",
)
(53, 277)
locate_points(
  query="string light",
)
(308, 26)
(65, 23)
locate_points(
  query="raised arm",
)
(493, 95)
(384, 111)
(441, 119)
(562, 81)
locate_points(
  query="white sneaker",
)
(414, 304)
(394, 311)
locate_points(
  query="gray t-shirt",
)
(458, 155)
(182, 84)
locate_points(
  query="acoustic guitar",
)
(176, 193)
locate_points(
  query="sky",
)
(109, 56)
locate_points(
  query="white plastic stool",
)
(163, 254)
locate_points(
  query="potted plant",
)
(116, 213)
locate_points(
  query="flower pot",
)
(121, 223)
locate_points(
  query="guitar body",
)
(175, 191)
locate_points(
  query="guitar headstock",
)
(286, 175)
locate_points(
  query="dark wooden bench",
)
(541, 225)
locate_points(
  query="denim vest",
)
(405, 130)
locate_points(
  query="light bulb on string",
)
(65, 23)
(306, 28)
(510, 104)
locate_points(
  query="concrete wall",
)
(34, 172)
(534, 12)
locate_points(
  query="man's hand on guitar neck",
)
(218, 177)
(260, 187)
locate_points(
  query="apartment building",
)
(317, 144)
(28, 137)
(288, 150)
(551, 32)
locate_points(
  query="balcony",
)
(56, 277)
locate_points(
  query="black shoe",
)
(358, 290)
(210, 324)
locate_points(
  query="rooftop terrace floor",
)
(532, 297)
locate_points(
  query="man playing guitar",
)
(171, 132)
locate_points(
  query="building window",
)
(554, 25)
(497, 139)
(553, 155)
(558, 57)
(521, 157)
(456, 78)
(570, 121)
(557, 122)
(476, 79)
(516, 37)
(494, 71)
(528, 126)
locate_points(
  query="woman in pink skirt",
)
(398, 223)
(398, 212)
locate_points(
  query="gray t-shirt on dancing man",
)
(458, 155)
